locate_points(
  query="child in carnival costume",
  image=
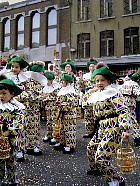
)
(49, 98)
(32, 84)
(89, 89)
(112, 125)
(19, 125)
(11, 120)
(88, 113)
(69, 67)
(80, 89)
(38, 67)
(91, 64)
(66, 102)
(131, 91)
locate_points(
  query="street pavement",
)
(54, 168)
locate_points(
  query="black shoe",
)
(88, 136)
(13, 184)
(52, 141)
(94, 172)
(20, 159)
(58, 148)
(30, 151)
(46, 139)
(122, 183)
(137, 141)
(68, 152)
(37, 151)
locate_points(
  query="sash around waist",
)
(106, 116)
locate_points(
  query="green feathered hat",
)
(104, 71)
(91, 61)
(17, 59)
(66, 77)
(9, 83)
(135, 76)
(37, 66)
(49, 75)
(68, 62)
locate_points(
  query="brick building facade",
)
(36, 29)
(108, 30)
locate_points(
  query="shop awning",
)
(123, 60)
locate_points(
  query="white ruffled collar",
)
(21, 77)
(51, 88)
(12, 105)
(108, 92)
(130, 83)
(24, 76)
(66, 90)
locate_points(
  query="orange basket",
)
(4, 148)
(126, 159)
(4, 145)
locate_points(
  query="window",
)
(130, 6)
(106, 8)
(52, 27)
(83, 45)
(6, 38)
(20, 32)
(35, 29)
(83, 9)
(131, 40)
(107, 43)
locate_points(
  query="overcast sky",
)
(11, 1)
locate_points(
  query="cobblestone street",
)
(55, 168)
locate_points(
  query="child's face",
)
(63, 83)
(5, 96)
(68, 68)
(50, 82)
(91, 67)
(15, 68)
(101, 82)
